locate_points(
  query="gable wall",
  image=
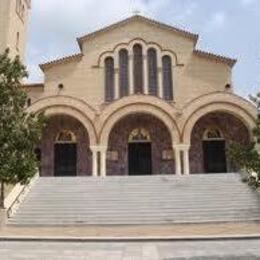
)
(198, 76)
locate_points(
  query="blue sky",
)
(226, 27)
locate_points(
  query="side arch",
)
(136, 104)
(217, 102)
(63, 105)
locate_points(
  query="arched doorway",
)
(214, 151)
(211, 136)
(140, 144)
(65, 154)
(65, 148)
(139, 152)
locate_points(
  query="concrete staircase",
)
(138, 201)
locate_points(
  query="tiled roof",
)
(231, 62)
(61, 60)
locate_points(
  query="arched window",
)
(212, 133)
(123, 72)
(66, 136)
(167, 77)
(109, 79)
(139, 135)
(138, 68)
(152, 72)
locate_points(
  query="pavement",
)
(169, 250)
(213, 230)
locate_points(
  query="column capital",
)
(98, 148)
(181, 147)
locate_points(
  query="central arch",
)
(138, 145)
(134, 105)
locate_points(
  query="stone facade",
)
(233, 130)
(160, 140)
(55, 125)
(201, 85)
(14, 18)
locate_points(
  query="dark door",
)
(140, 159)
(215, 156)
(65, 160)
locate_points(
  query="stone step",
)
(138, 200)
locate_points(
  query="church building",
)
(138, 99)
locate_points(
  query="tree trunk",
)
(2, 195)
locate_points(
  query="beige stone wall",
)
(11, 24)
(83, 79)
(4, 21)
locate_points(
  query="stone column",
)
(186, 158)
(3, 217)
(131, 72)
(94, 150)
(103, 161)
(177, 153)
(179, 149)
(145, 76)
(160, 81)
(117, 86)
(116, 71)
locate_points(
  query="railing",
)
(17, 196)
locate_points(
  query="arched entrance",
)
(65, 154)
(214, 151)
(139, 152)
(140, 144)
(210, 139)
(65, 148)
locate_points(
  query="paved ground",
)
(200, 250)
(138, 231)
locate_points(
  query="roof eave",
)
(183, 32)
(63, 60)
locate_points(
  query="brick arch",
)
(217, 102)
(63, 105)
(145, 45)
(141, 105)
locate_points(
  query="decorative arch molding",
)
(137, 104)
(62, 105)
(129, 46)
(217, 102)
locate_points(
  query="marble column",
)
(177, 153)
(145, 74)
(103, 161)
(131, 73)
(94, 150)
(186, 160)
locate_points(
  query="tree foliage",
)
(248, 157)
(19, 131)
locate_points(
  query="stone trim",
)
(184, 33)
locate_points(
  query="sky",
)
(226, 27)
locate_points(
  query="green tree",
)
(248, 157)
(19, 131)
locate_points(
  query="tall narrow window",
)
(17, 40)
(152, 72)
(138, 68)
(109, 79)
(123, 72)
(167, 77)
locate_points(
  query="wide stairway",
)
(152, 200)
